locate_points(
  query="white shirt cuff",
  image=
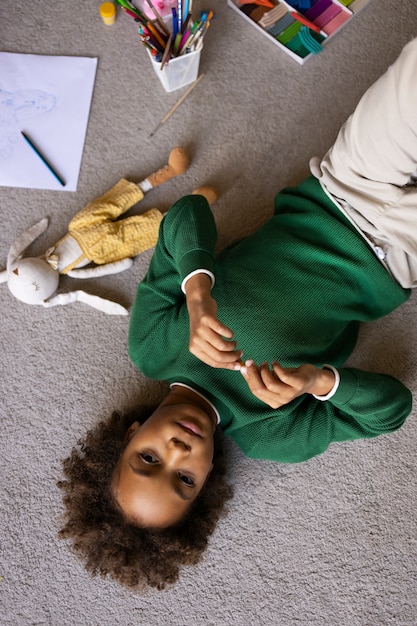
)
(193, 274)
(335, 386)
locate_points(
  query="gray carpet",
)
(327, 543)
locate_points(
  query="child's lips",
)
(191, 428)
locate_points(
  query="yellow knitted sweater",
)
(105, 239)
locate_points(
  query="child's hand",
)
(210, 340)
(281, 385)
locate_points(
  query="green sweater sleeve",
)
(186, 243)
(187, 239)
(367, 404)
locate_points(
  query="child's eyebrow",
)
(147, 474)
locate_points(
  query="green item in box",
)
(289, 33)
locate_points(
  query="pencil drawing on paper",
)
(15, 108)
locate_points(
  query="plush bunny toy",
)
(94, 236)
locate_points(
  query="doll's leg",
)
(133, 235)
(125, 238)
(178, 163)
(210, 193)
(122, 196)
(116, 201)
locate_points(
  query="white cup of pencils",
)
(174, 44)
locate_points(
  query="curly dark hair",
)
(101, 535)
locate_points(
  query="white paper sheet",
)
(48, 98)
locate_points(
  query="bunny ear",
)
(25, 239)
(107, 306)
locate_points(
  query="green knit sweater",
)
(295, 291)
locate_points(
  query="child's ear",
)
(131, 431)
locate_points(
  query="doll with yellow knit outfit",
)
(95, 235)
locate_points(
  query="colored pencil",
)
(43, 159)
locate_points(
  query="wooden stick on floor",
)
(177, 104)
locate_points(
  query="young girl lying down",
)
(254, 342)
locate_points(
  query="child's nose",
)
(179, 445)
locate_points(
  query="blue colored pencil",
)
(174, 22)
(185, 10)
(42, 158)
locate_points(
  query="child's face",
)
(164, 465)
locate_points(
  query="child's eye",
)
(187, 480)
(148, 458)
